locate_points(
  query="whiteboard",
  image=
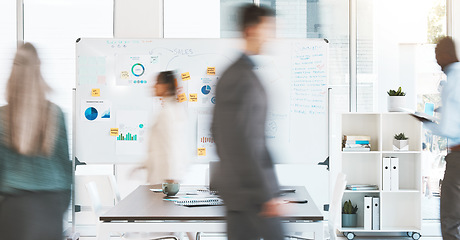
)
(114, 106)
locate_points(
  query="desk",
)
(146, 211)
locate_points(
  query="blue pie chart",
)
(206, 89)
(91, 113)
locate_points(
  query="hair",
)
(168, 77)
(447, 45)
(252, 15)
(30, 118)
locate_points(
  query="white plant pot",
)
(395, 103)
(400, 145)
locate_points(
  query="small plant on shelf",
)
(349, 218)
(348, 208)
(401, 142)
(401, 136)
(396, 93)
(396, 100)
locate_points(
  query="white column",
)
(138, 19)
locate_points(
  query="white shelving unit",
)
(400, 211)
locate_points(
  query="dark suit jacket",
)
(246, 174)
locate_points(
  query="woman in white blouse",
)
(167, 159)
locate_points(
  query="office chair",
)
(335, 209)
(98, 209)
(108, 196)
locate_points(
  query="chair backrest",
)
(96, 204)
(336, 205)
(106, 185)
(108, 195)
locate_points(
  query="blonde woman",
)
(35, 169)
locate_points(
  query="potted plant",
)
(349, 211)
(401, 142)
(396, 100)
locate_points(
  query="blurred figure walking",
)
(247, 181)
(35, 169)
(449, 126)
(166, 160)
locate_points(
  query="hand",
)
(272, 208)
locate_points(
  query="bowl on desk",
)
(170, 189)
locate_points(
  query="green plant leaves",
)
(396, 93)
(348, 208)
(401, 136)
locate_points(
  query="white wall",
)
(138, 19)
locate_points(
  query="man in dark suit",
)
(247, 180)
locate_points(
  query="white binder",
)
(375, 213)
(367, 213)
(394, 173)
(386, 181)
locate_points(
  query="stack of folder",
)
(356, 143)
(390, 175)
(371, 213)
(362, 187)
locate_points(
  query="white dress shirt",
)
(449, 125)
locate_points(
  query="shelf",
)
(369, 152)
(384, 152)
(387, 229)
(363, 191)
(401, 152)
(400, 211)
(379, 191)
(403, 191)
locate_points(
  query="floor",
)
(340, 238)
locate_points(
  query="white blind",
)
(7, 43)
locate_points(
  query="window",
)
(387, 45)
(229, 18)
(8, 43)
(396, 49)
(53, 27)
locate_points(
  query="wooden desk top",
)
(143, 204)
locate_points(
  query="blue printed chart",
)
(96, 110)
(206, 89)
(91, 113)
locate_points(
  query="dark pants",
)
(248, 225)
(450, 198)
(33, 215)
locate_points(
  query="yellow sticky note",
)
(114, 132)
(211, 71)
(193, 97)
(201, 152)
(124, 75)
(185, 76)
(96, 92)
(182, 97)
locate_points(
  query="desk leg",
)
(103, 233)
